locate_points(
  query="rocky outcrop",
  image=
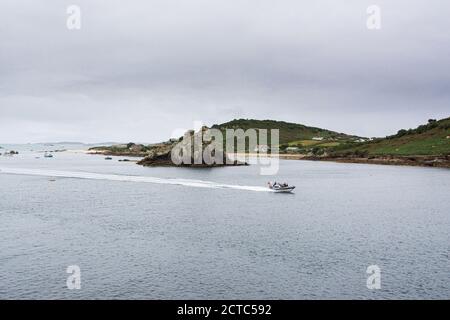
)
(194, 149)
(130, 150)
(189, 151)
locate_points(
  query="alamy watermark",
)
(74, 280)
(374, 19)
(374, 278)
(74, 19)
(209, 146)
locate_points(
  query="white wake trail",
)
(127, 178)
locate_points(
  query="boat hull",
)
(283, 190)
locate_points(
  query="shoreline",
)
(430, 162)
(414, 161)
(116, 154)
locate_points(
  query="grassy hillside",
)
(291, 134)
(432, 138)
(294, 138)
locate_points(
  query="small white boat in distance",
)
(48, 155)
(280, 187)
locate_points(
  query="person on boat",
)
(269, 185)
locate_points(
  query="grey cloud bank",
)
(136, 71)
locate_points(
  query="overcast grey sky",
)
(139, 69)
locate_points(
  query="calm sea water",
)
(146, 240)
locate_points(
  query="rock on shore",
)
(188, 154)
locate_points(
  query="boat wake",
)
(128, 178)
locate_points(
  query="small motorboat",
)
(108, 158)
(280, 187)
(48, 155)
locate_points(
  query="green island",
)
(426, 145)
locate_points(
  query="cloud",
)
(139, 70)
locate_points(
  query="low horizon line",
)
(137, 142)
